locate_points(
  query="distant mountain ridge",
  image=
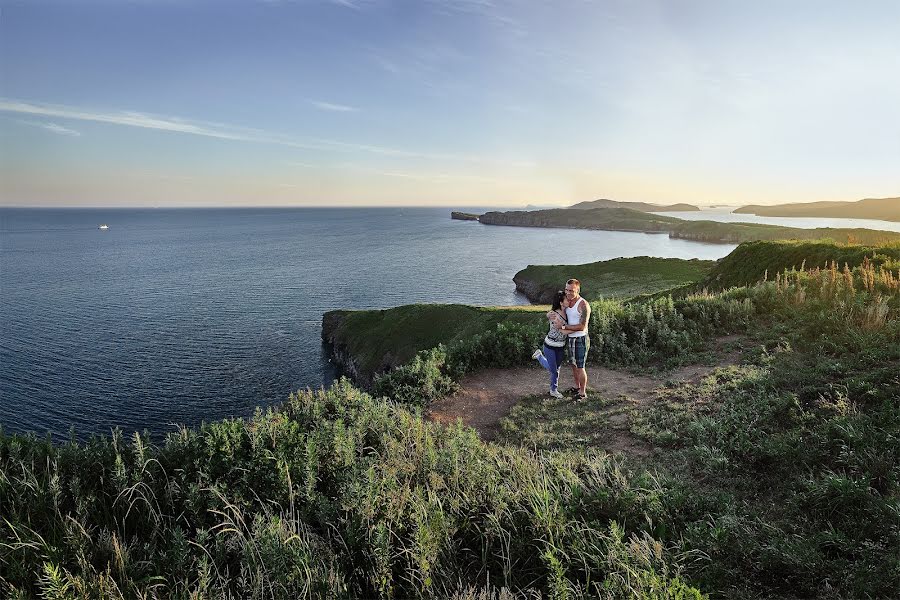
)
(641, 206)
(885, 209)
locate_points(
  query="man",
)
(578, 313)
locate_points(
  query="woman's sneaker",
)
(536, 354)
(556, 394)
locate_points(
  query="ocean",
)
(179, 316)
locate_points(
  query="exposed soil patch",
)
(486, 397)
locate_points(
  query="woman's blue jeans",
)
(551, 358)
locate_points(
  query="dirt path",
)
(486, 397)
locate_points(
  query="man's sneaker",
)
(556, 394)
(536, 354)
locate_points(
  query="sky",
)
(447, 102)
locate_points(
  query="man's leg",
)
(582, 381)
(582, 347)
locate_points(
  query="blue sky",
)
(450, 103)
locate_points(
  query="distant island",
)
(641, 206)
(625, 219)
(885, 209)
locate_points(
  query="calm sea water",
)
(180, 316)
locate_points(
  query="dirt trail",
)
(486, 397)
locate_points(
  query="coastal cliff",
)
(463, 216)
(609, 219)
(337, 347)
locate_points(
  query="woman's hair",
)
(557, 300)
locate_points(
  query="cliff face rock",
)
(341, 354)
(337, 349)
(463, 216)
(535, 292)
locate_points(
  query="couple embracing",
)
(568, 331)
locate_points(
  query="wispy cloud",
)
(53, 127)
(346, 4)
(230, 132)
(333, 107)
(132, 119)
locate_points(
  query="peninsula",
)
(885, 209)
(626, 219)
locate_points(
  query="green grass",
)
(545, 423)
(620, 278)
(378, 339)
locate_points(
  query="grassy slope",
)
(749, 262)
(620, 278)
(376, 338)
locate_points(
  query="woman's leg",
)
(553, 360)
(542, 357)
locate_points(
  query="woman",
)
(551, 356)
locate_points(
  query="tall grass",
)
(336, 494)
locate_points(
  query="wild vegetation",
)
(776, 478)
(755, 261)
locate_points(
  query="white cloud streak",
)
(53, 127)
(333, 107)
(229, 132)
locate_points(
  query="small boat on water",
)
(104, 226)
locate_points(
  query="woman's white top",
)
(573, 317)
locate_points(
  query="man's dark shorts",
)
(578, 350)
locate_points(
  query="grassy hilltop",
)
(620, 278)
(775, 478)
